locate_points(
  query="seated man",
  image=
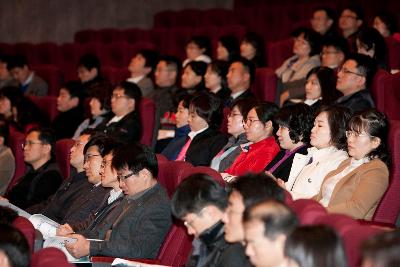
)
(354, 79)
(141, 68)
(266, 227)
(71, 112)
(350, 22)
(29, 82)
(138, 226)
(6, 78)
(125, 125)
(200, 202)
(42, 177)
(323, 21)
(334, 52)
(89, 72)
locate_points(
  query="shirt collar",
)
(193, 134)
(135, 79)
(235, 95)
(29, 79)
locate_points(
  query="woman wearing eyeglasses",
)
(259, 129)
(357, 185)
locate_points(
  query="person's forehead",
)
(236, 66)
(92, 149)
(64, 91)
(320, 13)
(119, 90)
(108, 157)
(33, 136)
(254, 229)
(330, 47)
(348, 12)
(350, 64)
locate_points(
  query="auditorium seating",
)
(26, 227)
(50, 257)
(52, 75)
(307, 210)
(264, 86)
(47, 104)
(15, 144)
(63, 148)
(147, 112)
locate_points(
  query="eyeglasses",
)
(357, 135)
(124, 177)
(118, 96)
(231, 115)
(189, 223)
(346, 71)
(249, 122)
(89, 156)
(29, 143)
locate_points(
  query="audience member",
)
(29, 82)
(89, 72)
(382, 250)
(14, 248)
(323, 22)
(371, 43)
(204, 141)
(198, 49)
(6, 78)
(99, 108)
(141, 68)
(125, 126)
(295, 123)
(7, 215)
(354, 79)
(193, 77)
(314, 246)
(358, 184)
(42, 170)
(182, 130)
(200, 202)
(334, 52)
(292, 73)
(267, 225)
(215, 79)
(228, 48)
(70, 110)
(329, 143)
(350, 22)
(137, 227)
(7, 160)
(259, 130)
(224, 159)
(252, 48)
(385, 23)
(241, 75)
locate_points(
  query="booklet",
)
(122, 262)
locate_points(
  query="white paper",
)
(123, 262)
(45, 225)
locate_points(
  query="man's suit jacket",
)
(358, 193)
(146, 86)
(38, 87)
(138, 226)
(127, 130)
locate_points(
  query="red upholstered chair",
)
(393, 46)
(224, 124)
(207, 170)
(63, 148)
(341, 223)
(52, 75)
(209, 31)
(110, 35)
(133, 35)
(392, 98)
(15, 143)
(307, 210)
(147, 111)
(7, 49)
(264, 87)
(236, 30)
(48, 53)
(187, 17)
(171, 173)
(50, 257)
(26, 227)
(111, 74)
(117, 54)
(48, 104)
(164, 19)
(161, 158)
(216, 17)
(122, 74)
(177, 39)
(381, 81)
(278, 52)
(95, 48)
(86, 36)
(26, 49)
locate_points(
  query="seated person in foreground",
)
(14, 248)
(138, 226)
(200, 202)
(358, 184)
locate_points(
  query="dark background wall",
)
(57, 20)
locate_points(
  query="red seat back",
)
(378, 87)
(15, 142)
(393, 47)
(47, 104)
(264, 87)
(207, 170)
(171, 173)
(86, 36)
(392, 98)
(147, 111)
(63, 148)
(307, 210)
(48, 53)
(278, 52)
(52, 75)
(26, 227)
(49, 257)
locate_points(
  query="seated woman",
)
(385, 23)
(227, 48)
(224, 159)
(215, 79)
(175, 145)
(100, 108)
(357, 185)
(198, 49)
(329, 143)
(7, 160)
(371, 43)
(259, 130)
(292, 73)
(204, 141)
(252, 48)
(295, 123)
(193, 77)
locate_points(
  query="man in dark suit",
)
(138, 226)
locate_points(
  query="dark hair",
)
(338, 118)
(103, 143)
(151, 58)
(375, 124)
(383, 249)
(257, 42)
(199, 68)
(202, 42)
(17, 61)
(5, 59)
(4, 130)
(299, 119)
(312, 37)
(102, 91)
(46, 136)
(221, 69)
(255, 188)
(248, 66)
(91, 132)
(356, 9)
(266, 111)
(135, 157)
(172, 62)
(196, 192)
(370, 38)
(389, 20)
(276, 217)
(186, 99)
(366, 66)
(208, 107)
(338, 42)
(89, 62)
(14, 244)
(327, 82)
(74, 88)
(244, 105)
(131, 90)
(7, 215)
(315, 246)
(330, 13)
(231, 44)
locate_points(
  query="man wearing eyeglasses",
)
(350, 21)
(354, 79)
(42, 177)
(137, 227)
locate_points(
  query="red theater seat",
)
(63, 148)
(110, 35)
(15, 144)
(47, 53)
(133, 35)
(7, 49)
(26, 227)
(47, 104)
(392, 98)
(381, 81)
(278, 52)
(393, 47)
(236, 30)
(26, 49)
(207, 170)
(52, 75)
(171, 173)
(117, 54)
(147, 111)
(86, 36)
(264, 87)
(216, 17)
(307, 210)
(50, 257)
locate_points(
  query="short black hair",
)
(299, 119)
(4, 130)
(259, 45)
(102, 92)
(135, 157)
(255, 188)
(366, 65)
(103, 143)
(200, 69)
(313, 38)
(244, 105)
(231, 44)
(221, 69)
(173, 63)
(330, 13)
(383, 249)
(89, 62)
(248, 66)
(196, 192)
(74, 88)
(151, 57)
(369, 38)
(17, 61)
(327, 82)
(207, 106)
(46, 136)
(5, 58)
(14, 244)
(131, 90)
(389, 20)
(356, 9)
(266, 111)
(338, 42)
(202, 42)
(7, 215)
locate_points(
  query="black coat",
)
(127, 130)
(359, 101)
(65, 123)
